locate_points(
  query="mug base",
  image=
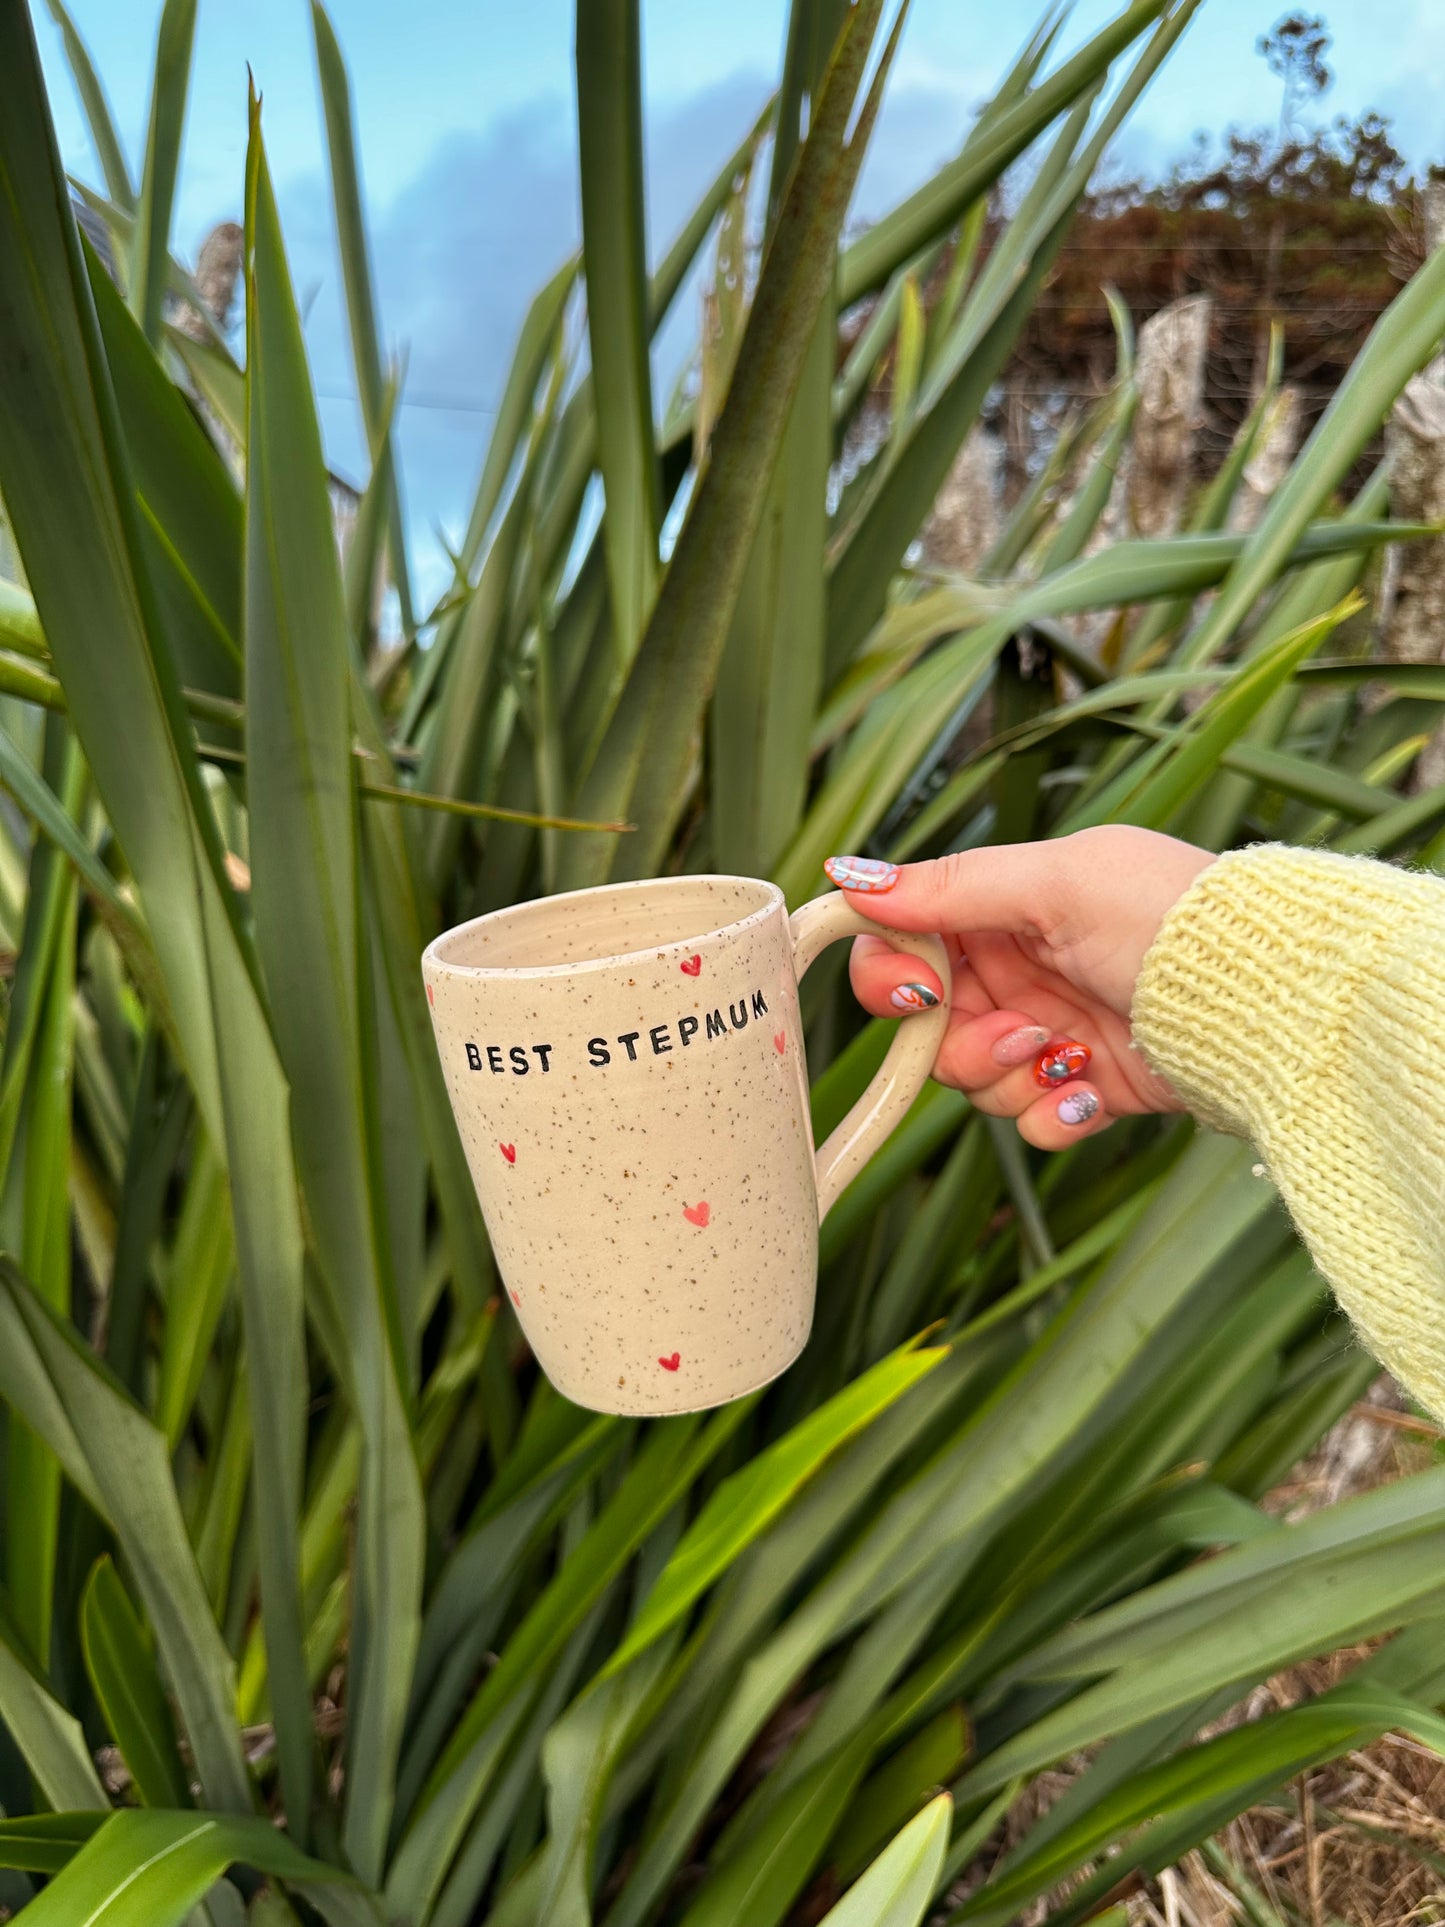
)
(678, 1408)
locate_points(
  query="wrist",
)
(1246, 999)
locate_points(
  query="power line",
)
(440, 403)
(1224, 243)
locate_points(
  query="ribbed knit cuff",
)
(1246, 1000)
(1298, 998)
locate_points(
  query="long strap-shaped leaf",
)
(67, 487)
(123, 1672)
(119, 1463)
(995, 142)
(49, 1736)
(304, 885)
(972, 359)
(149, 1868)
(150, 255)
(40, 1231)
(1401, 341)
(642, 765)
(771, 671)
(896, 1889)
(614, 249)
(97, 110)
(360, 300)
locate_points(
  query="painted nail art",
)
(1020, 1046)
(914, 997)
(863, 873)
(1062, 1060)
(1078, 1107)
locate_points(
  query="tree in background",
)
(1294, 50)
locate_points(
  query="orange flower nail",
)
(1062, 1059)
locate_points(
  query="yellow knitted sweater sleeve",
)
(1297, 998)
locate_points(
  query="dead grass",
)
(1361, 1842)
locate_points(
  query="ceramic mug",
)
(626, 1069)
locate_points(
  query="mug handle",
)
(903, 1072)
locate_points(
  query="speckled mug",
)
(626, 1068)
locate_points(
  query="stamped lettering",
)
(626, 1046)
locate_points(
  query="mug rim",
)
(433, 957)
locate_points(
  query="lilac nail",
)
(1020, 1046)
(864, 873)
(909, 997)
(1078, 1107)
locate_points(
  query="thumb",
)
(1012, 887)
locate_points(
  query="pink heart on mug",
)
(671, 1364)
(697, 1213)
(691, 966)
(780, 1041)
(509, 1152)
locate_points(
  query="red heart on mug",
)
(690, 966)
(509, 1152)
(697, 1213)
(671, 1364)
(780, 1041)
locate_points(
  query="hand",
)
(1047, 941)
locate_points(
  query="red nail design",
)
(691, 966)
(509, 1152)
(1062, 1059)
(698, 1213)
(780, 1041)
(671, 1364)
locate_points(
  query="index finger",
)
(1014, 887)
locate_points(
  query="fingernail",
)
(1018, 1046)
(1078, 1107)
(867, 873)
(1063, 1059)
(914, 997)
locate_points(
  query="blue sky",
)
(464, 115)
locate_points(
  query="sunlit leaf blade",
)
(148, 1869)
(896, 1889)
(1153, 802)
(747, 1502)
